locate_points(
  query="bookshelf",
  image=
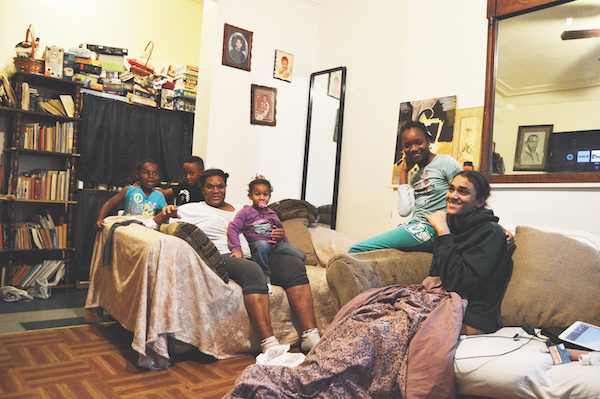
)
(40, 153)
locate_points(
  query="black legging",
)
(287, 271)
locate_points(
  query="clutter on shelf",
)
(107, 72)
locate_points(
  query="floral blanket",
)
(396, 341)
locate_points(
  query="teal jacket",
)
(473, 261)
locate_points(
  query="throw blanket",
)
(365, 353)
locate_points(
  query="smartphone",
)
(582, 334)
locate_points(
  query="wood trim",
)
(547, 178)
(488, 106)
(504, 8)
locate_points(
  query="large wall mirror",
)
(543, 82)
(324, 142)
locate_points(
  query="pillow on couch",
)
(299, 236)
(554, 282)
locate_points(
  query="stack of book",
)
(186, 81)
(41, 184)
(40, 233)
(50, 270)
(57, 138)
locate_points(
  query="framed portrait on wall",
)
(283, 66)
(237, 47)
(263, 105)
(334, 88)
(532, 147)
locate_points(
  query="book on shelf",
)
(45, 185)
(56, 138)
(53, 106)
(25, 96)
(68, 104)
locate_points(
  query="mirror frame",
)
(338, 151)
(498, 10)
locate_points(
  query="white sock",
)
(269, 286)
(310, 338)
(268, 342)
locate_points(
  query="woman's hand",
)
(439, 222)
(236, 254)
(169, 211)
(510, 239)
(277, 234)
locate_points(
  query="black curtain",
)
(114, 136)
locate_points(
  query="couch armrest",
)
(350, 274)
(328, 242)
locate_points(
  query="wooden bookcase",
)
(17, 160)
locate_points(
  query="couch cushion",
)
(299, 236)
(350, 274)
(293, 208)
(554, 282)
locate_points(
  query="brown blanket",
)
(365, 353)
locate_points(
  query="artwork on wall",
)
(438, 115)
(237, 47)
(532, 147)
(334, 87)
(263, 105)
(283, 66)
(467, 136)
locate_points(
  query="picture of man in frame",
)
(530, 156)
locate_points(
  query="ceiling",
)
(532, 58)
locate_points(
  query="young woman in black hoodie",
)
(470, 251)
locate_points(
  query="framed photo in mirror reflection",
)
(334, 88)
(532, 148)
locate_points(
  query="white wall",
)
(129, 24)
(231, 142)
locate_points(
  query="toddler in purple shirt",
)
(262, 228)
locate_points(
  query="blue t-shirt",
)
(431, 185)
(138, 203)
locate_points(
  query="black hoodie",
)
(473, 261)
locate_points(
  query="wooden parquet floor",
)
(97, 361)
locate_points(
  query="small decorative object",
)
(140, 65)
(25, 60)
(237, 47)
(334, 88)
(264, 101)
(283, 66)
(54, 61)
(532, 147)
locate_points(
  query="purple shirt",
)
(254, 225)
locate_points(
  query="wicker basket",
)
(139, 69)
(29, 64)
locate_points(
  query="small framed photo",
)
(532, 147)
(334, 87)
(237, 47)
(283, 66)
(263, 105)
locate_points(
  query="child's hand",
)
(277, 234)
(237, 254)
(99, 225)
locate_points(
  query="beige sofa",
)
(554, 282)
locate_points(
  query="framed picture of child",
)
(237, 47)
(283, 66)
(263, 104)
